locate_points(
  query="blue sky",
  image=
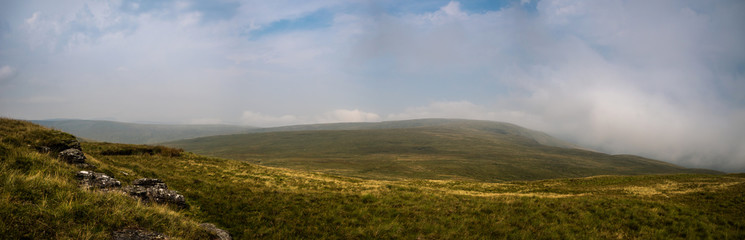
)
(663, 79)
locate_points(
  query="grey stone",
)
(221, 234)
(94, 180)
(72, 156)
(137, 234)
(149, 183)
(155, 191)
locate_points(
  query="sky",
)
(661, 79)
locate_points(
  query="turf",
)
(39, 199)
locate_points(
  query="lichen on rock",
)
(221, 234)
(137, 234)
(156, 191)
(94, 180)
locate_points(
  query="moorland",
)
(40, 198)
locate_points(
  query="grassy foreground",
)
(39, 199)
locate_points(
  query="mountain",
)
(425, 149)
(137, 133)
(40, 198)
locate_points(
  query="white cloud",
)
(453, 10)
(446, 109)
(6, 73)
(338, 115)
(32, 20)
(262, 120)
(343, 115)
(189, 19)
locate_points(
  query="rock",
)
(76, 157)
(56, 142)
(72, 156)
(136, 234)
(154, 190)
(150, 183)
(221, 234)
(94, 180)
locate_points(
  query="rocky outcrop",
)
(54, 142)
(94, 180)
(72, 156)
(136, 234)
(76, 157)
(219, 233)
(155, 191)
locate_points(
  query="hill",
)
(40, 199)
(480, 125)
(426, 149)
(136, 133)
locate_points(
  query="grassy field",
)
(39, 199)
(261, 202)
(452, 149)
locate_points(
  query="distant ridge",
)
(482, 125)
(137, 133)
(424, 148)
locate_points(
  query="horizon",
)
(665, 80)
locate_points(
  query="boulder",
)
(150, 183)
(72, 156)
(75, 157)
(94, 180)
(136, 234)
(219, 233)
(156, 191)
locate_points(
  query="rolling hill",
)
(425, 149)
(40, 199)
(137, 133)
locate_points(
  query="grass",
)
(462, 150)
(253, 201)
(40, 199)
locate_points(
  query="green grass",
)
(258, 202)
(253, 201)
(40, 199)
(456, 149)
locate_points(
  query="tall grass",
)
(40, 199)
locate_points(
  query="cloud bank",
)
(663, 79)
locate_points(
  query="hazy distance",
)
(660, 79)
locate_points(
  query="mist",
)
(661, 79)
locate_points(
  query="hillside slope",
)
(429, 149)
(136, 133)
(39, 199)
